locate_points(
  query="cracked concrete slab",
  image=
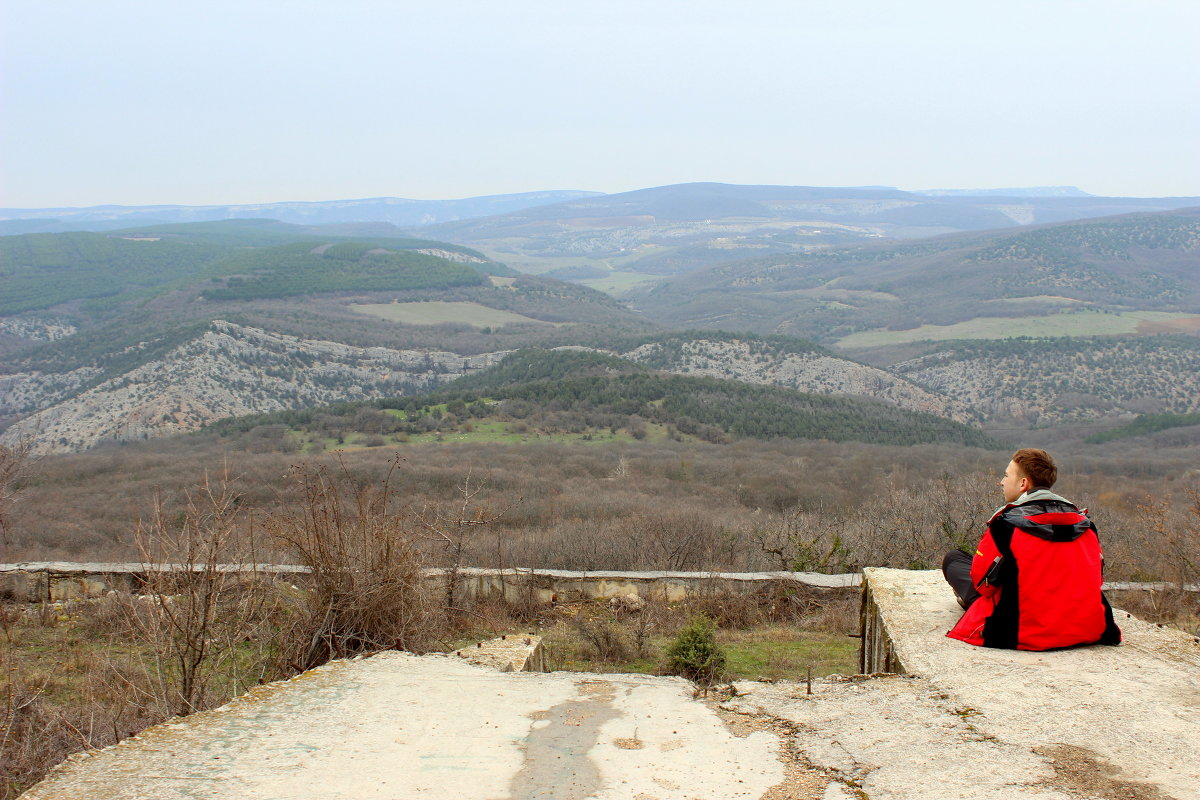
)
(400, 726)
(968, 722)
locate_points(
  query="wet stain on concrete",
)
(557, 766)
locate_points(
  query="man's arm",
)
(985, 560)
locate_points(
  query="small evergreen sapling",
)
(695, 654)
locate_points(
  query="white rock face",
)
(26, 392)
(229, 371)
(806, 372)
(36, 329)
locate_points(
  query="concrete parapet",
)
(508, 654)
(1133, 708)
(34, 582)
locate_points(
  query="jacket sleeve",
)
(985, 555)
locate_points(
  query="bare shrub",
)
(728, 608)
(1172, 526)
(606, 638)
(69, 680)
(204, 605)
(365, 592)
(14, 468)
(453, 529)
(806, 541)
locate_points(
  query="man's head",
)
(1029, 469)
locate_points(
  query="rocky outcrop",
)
(232, 370)
(36, 329)
(228, 371)
(1039, 383)
(817, 372)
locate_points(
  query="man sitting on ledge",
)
(1035, 580)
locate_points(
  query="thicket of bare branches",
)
(14, 468)
(644, 505)
(205, 606)
(365, 591)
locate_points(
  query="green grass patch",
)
(1075, 323)
(770, 652)
(786, 653)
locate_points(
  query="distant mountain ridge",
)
(395, 210)
(1028, 191)
(670, 230)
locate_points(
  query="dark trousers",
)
(956, 566)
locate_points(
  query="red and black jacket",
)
(1039, 571)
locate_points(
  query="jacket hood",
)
(1047, 516)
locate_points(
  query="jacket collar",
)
(1040, 494)
(1033, 497)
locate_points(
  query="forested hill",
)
(583, 393)
(244, 258)
(1145, 262)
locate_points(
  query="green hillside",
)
(40, 270)
(300, 268)
(585, 393)
(1145, 425)
(249, 259)
(1143, 262)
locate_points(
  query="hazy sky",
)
(140, 102)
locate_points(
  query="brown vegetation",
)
(637, 505)
(87, 675)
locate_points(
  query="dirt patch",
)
(1082, 771)
(1181, 325)
(598, 690)
(802, 781)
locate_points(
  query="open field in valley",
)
(1076, 323)
(437, 312)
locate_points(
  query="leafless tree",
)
(200, 578)
(15, 462)
(453, 527)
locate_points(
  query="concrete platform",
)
(402, 726)
(970, 721)
(963, 723)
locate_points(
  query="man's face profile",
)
(1013, 484)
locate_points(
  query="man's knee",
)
(955, 558)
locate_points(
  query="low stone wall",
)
(56, 581)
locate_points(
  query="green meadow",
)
(1075, 323)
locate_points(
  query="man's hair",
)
(1037, 465)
